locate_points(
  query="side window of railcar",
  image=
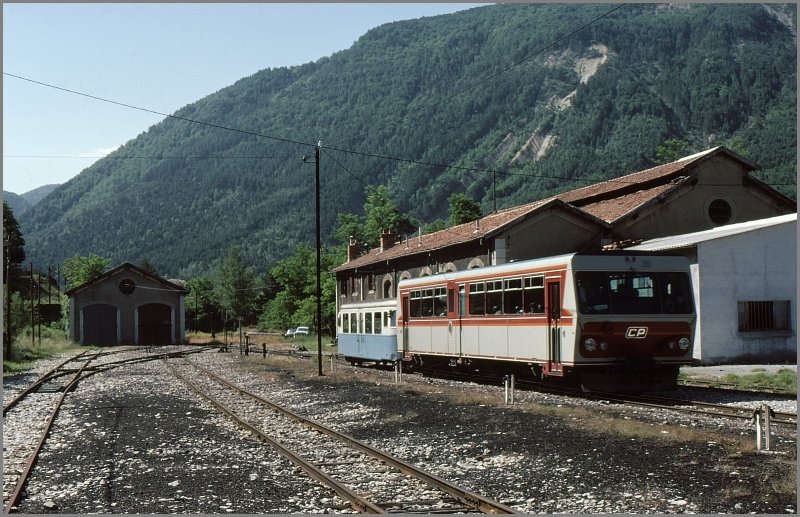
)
(427, 302)
(342, 323)
(392, 322)
(676, 293)
(376, 327)
(512, 296)
(534, 295)
(415, 303)
(477, 302)
(592, 292)
(367, 323)
(353, 323)
(494, 297)
(440, 301)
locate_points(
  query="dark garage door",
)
(99, 324)
(155, 324)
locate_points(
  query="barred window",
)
(764, 315)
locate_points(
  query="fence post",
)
(767, 410)
(264, 350)
(757, 419)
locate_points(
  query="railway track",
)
(370, 480)
(44, 398)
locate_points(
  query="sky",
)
(155, 56)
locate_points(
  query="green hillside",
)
(596, 105)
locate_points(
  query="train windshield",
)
(632, 292)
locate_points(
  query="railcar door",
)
(404, 322)
(455, 296)
(553, 309)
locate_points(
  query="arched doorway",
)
(99, 324)
(155, 324)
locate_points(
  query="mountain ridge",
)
(189, 191)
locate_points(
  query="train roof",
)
(588, 261)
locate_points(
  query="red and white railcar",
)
(609, 320)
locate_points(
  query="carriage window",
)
(477, 304)
(494, 297)
(440, 302)
(361, 323)
(368, 323)
(427, 302)
(353, 323)
(344, 323)
(392, 319)
(415, 308)
(377, 323)
(534, 295)
(512, 296)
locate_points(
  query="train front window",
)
(628, 292)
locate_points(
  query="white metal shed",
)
(745, 289)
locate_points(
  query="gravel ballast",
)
(135, 440)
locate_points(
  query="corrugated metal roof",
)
(690, 239)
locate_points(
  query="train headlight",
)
(590, 344)
(684, 343)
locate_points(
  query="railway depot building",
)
(127, 305)
(699, 192)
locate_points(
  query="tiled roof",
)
(609, 210)
(607, 201)
(638, 181)
(448, 237)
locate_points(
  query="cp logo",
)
(636, 332)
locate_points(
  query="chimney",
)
(387, 239)
(353, 249)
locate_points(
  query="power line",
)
(147, 110)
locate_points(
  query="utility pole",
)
(7, 350)
(319, 266)
(33, 328)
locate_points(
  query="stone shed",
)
(127, 305)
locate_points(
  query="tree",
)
(235, 285)
(78, 269)
(672, 150)
(381, 214)
(14, 253)
(295, 276)
(463, 209)
(13, 245)
(148, 267)
(201, 306)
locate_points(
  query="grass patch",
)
(783, 380)
(25, 353)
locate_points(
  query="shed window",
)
(764, 315)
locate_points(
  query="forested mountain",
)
(19, 203)
(410, 97)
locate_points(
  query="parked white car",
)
(302, 331)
